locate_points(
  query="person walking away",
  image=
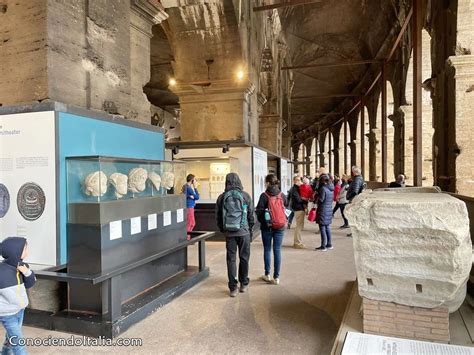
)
(15, 278)
(342, 201)
(192, 195)
(356, 186)
(271, 215)
(298, 205)
(235, 218)
(324, 213)
(337, 189)
(399, 182)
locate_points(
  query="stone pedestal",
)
(396, 320)
(463, 71)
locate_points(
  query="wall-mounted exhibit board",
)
(260, 171)
(37, 157)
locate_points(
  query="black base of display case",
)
(132, 312)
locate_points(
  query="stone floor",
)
(300, 316)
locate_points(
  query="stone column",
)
(144, 14)
(270, 133)
(406, 117)
(463, 76)
(308, 148)
(296, 151)
(375, 158)
(353, 154)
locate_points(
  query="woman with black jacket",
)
(271, 238)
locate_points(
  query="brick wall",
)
(391, 319)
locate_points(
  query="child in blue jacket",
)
(15, 278)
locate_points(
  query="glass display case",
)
(98, 178)
(210, 174)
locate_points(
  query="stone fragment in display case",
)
(168, 180)
(95, 184)
(137, 180)
(411, 247)
(155, 180)
(120, 183)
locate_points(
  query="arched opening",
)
(314, 150)
(390, 133)
(342, 150)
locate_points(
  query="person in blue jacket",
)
(324, 212)
(15, 278)
(192, 195)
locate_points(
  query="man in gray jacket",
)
(235, 218)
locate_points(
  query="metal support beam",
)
(323, 96)
(316, 114)
(285, 4)
(332, 65)
(417, 26)
(384, 122)
(362, 137)
(345, 145)
(400, 35)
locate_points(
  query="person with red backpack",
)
(271, 215)
(235, 218)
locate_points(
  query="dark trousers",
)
(342, 207)
(326, 240)
(243, 244)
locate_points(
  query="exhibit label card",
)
(152, 224)
(115, 230)
(135, 225)
(180, 215)
(167, 218)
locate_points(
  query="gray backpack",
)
(234, 211)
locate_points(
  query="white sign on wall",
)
(28, 182)
(260, 171)
(284, 176)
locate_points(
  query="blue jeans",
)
(13, 332)
(325, 236)
(275, 237)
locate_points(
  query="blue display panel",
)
(83, 136)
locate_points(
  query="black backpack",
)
(234, 213)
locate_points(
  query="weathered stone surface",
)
(411, 248)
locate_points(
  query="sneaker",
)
(330, 247)
(299, 246)
(345, 226)
(244, 288)
(267, 278)
(276, 281)
(321, 249)
(234, 293)
(349, 235)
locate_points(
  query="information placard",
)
(28, 182)
(166, 218)
(260, 171)
(152, 221)
(115, 228)
(180, 215)
(135, 225)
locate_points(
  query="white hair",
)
(356, 170)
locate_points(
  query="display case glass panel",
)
(96, 179)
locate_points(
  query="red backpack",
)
(277, 211)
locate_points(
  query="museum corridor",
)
(144, 142)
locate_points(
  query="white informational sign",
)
(167, 218)
(152, 221)
(180, 215)
(260, 171)
(28, 182)
(284, 176)
(135, 225)
(367, 344)
(115, 228)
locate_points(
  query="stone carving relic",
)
(155, 179)
(31, 201)
(95, 184)
(137, 180)
(411, 248)
(120, 183)
(4, 200)
(168, 180)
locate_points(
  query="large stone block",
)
(411, 248)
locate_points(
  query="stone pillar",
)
(353, 154)
(463, 73)
(322, 157)
(308, 148)
(296, 151)
(406, 116)
(398, 142)
(214, 113)
(270, 133)
(144, 14)
(375, 157)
